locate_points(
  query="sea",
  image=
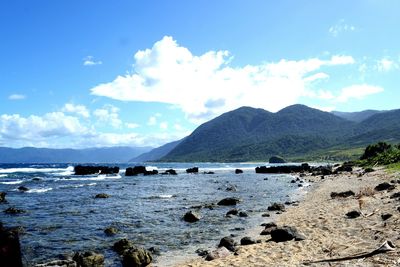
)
(63, 216)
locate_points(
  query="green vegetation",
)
(381, 154)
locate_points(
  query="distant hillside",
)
(89, 155)
(156, 153)
(247, 134)
(356, 116)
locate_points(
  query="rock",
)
(135, 170)
(283, 169)
(231, 188)
(3, 197)
(219, 253)
(247, 241)
(268, 228)
(276, 159)
(321, 170)
(229, 201)
(228, 243)
(238, 171)
(89, 259)
(136, 257)
(384, 186)
(192, 170)
(395, 195)
(345, 167)
(13, 211)
(191, 217)
(85, 170)
(23, 188)
(293, 181)
(201, 252)
(10, 250)
(386, 216)
(102, 195)
(109, 231)
(170, 172)
(154, 251)
(342, 194)
(243, 214)
(232, 212)
(265, 215)
(208, 172)
(276, 207)
(286, 233)
(122, 245)
(353, 214)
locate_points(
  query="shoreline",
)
(329, 232)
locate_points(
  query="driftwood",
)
(385, 247)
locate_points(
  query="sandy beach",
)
(329, 232)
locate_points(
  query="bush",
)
(375, 149)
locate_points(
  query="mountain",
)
(248, 134)
(156, 153)
(89, 155)
(356, 116)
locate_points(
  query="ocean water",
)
(62, 215)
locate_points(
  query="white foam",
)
(13, 182)
(3, 175)
(68, 171)
(95, 178)
(39, 190)
(14, 170)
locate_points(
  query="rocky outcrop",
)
(276, 159)
(229, 201)
(284, 169)
(85, 170)
(89, 259)
(10, 250)
(191, 217)
(192, 170)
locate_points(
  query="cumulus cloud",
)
(77, 109)
(358, 92)
(16, 97)
(90, 61)
(131, 125)
(340, 27)
(205, 86)
(108, 114)
(385, 64)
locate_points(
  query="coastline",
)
(329, 232)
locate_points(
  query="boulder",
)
(342, 194)
(277, 207)
(192, 170)
(229, 201)
(228, 243)
(191, 217)
(238, 171)
(269, 227)
(10, 250)
(110, 231)
(136, 257)
(286, 233)
(219, 253)
(384, 186)
(89, 259)
(102, 195)
(3, 197)
(247, 241)
(135, 170)
(276, 159)
(86, 170)
(353, 214)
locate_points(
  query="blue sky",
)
(143, 73)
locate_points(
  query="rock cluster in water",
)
(85, 170)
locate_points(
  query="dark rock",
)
(395, 195)
(152, 172)
(154, 251)
(231, 188)
(85, 170)
(293, 181)
(23, 188)
(170, 172)
(283, 169)
(136, 257)
(89, 259)
(10, 250)
(238, 171)
(300, 185)
(276, 159)
(192, 170)
(342, 194)
(208, 172)
(36, 179)
(102, 195)
(268, 225)
(398, 209)
(111, 231)
(286, 233)
(353, 214)
(232, 212)
(386, 216)
(268, 228)
(13, 211)
(219, 253)
(384, 186)
(3, 197)
(265, 215)
(228, 243)
(368, 169)
(201, 252)
(135, 171)
(277, 207)
(122, 245)
(322, 170)
(243, 214)
(191, 217)
(345, 167)
(247, 241)
(229, 201)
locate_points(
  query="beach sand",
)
(329, 233)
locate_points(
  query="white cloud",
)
(90, 61)
(108, 114)
(164, 125)
(78, 109)
(358, 92)
(152, 121)
(131, 125)
(385, 64)
(341, 27)
(16, 97)
(205, 86)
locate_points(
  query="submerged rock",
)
(102, 195)
(111, 231)
(3, 197)
(286, 233)
(191, 217)
(23, 188)
(89, 259)
(229, 201)
(13, 211)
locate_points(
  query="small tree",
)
(375, 149)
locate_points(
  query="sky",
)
(98, 73)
